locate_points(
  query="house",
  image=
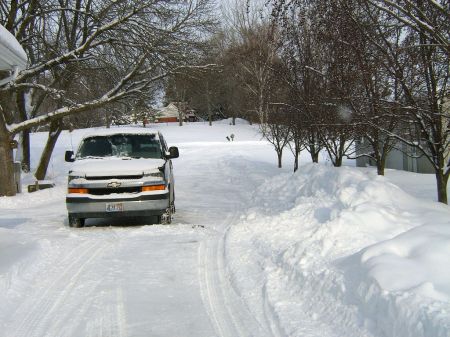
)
(402, 157)
(174, 111)
(169, 113)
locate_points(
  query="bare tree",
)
(420, 63)
(141, 40)
(277, 129)
(199, 88)
(298, 136)
(316, 49)
(302, 53)
(253, 47)
(387, 62)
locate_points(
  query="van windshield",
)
(120, 145)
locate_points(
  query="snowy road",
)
(117, 283)
(130, 279)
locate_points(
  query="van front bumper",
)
(86, 206)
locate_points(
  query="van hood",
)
(114, 166)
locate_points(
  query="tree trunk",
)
(108, 119)
(442, 181)
(297, 150)
(180, 117)
(314, 156)
(7, 184)
(380, 169)
(381, 164)
(296, 161)
(55, 131)
(26, 161)
(25, 135)
(208, 104)
(280, 155)
(340, 153)
(313, 152)
(338, 161)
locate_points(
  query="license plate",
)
(117, 207)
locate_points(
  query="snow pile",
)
(408, 279)
(414, 261)
(300, 247)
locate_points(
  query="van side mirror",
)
(68, 157)
(173, 152)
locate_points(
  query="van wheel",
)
(166, 218)
(75, 222)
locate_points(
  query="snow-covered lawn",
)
(253, 251)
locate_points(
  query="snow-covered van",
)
(121, 172)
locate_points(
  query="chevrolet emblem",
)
(114, 184)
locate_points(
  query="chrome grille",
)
(105, 191)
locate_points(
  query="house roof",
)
(11, 52)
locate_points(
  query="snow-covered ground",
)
(253, 251)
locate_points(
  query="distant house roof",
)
(11, 52)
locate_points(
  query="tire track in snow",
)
(115, 322)
(33, 309)
(112, 319)
(121, 314)
(69, 321)
(227, 310)
(269, 314)
(39, 311)
(209, 294)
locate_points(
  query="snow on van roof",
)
(122, 130)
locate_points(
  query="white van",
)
(121, 172)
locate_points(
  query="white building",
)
(174, 111)
(169, 113)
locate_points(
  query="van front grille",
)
(106, 191)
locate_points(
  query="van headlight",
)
(155, 174)
(70, 178)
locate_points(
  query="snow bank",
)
(408, 279)
(414, 261)
(303, 246)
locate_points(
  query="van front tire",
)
(75, 222)
(166, 218)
